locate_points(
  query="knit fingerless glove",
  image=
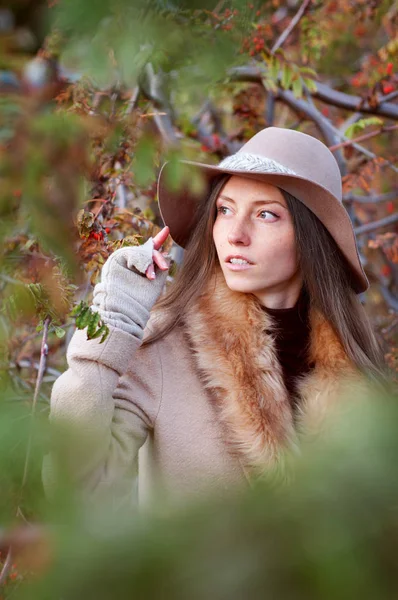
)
(124, 296)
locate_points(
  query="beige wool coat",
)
(203, 409)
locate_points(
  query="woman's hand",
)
(124, 297)
(158, 257)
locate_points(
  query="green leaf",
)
(77, 309)
(287, 76)
(310, 83)
(93, 322)
(308, 71)
(360, 126)
(297, 87)
(274, 68)
(270, 84)
(59, 332)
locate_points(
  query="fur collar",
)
(234, 349)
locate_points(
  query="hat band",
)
(255, 163)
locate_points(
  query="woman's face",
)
(253, 222)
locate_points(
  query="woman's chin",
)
(240, 285)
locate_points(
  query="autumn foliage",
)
(97, 95)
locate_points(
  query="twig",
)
(390, 327)
(270, 109)
(363, 137)
(376, 224)
(377, 199)
(6, 567)
(133, 100)
(40, 374)
(285, 34)
(27, 364)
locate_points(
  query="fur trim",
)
(233, 342)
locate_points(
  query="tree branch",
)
(371, 199)
(363, 137)
(376, 224)
(324, 93)
(285, 34)
(355, 103)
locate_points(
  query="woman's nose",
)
(238, 234)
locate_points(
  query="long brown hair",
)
(326, 275)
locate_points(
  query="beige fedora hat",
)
(291, 160)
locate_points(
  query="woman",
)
(248, 349)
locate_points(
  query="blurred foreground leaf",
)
(330, 532)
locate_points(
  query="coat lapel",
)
(232, 340)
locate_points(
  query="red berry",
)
(107, 229)
(387, 88)
(216, 139)
(385, 270)
(389, 68)
(390, 207)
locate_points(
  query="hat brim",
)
(178, 206)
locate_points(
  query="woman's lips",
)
(237, 267)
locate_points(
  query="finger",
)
(161, 237)
(150, 272)
(160, 260)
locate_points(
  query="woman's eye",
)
(220, 209)
(269, 212)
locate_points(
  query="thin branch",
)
(270, 109)
(285, 34)
(363, 137)
(6, 567)
(355, 103)
(387, 330)
(377, 199)
(207, 121)
(40, 373)
(389, 97)
(39, 379)
(376, 224)
(27, 364)
(324, 93)
(152, 87)
(133, 100)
